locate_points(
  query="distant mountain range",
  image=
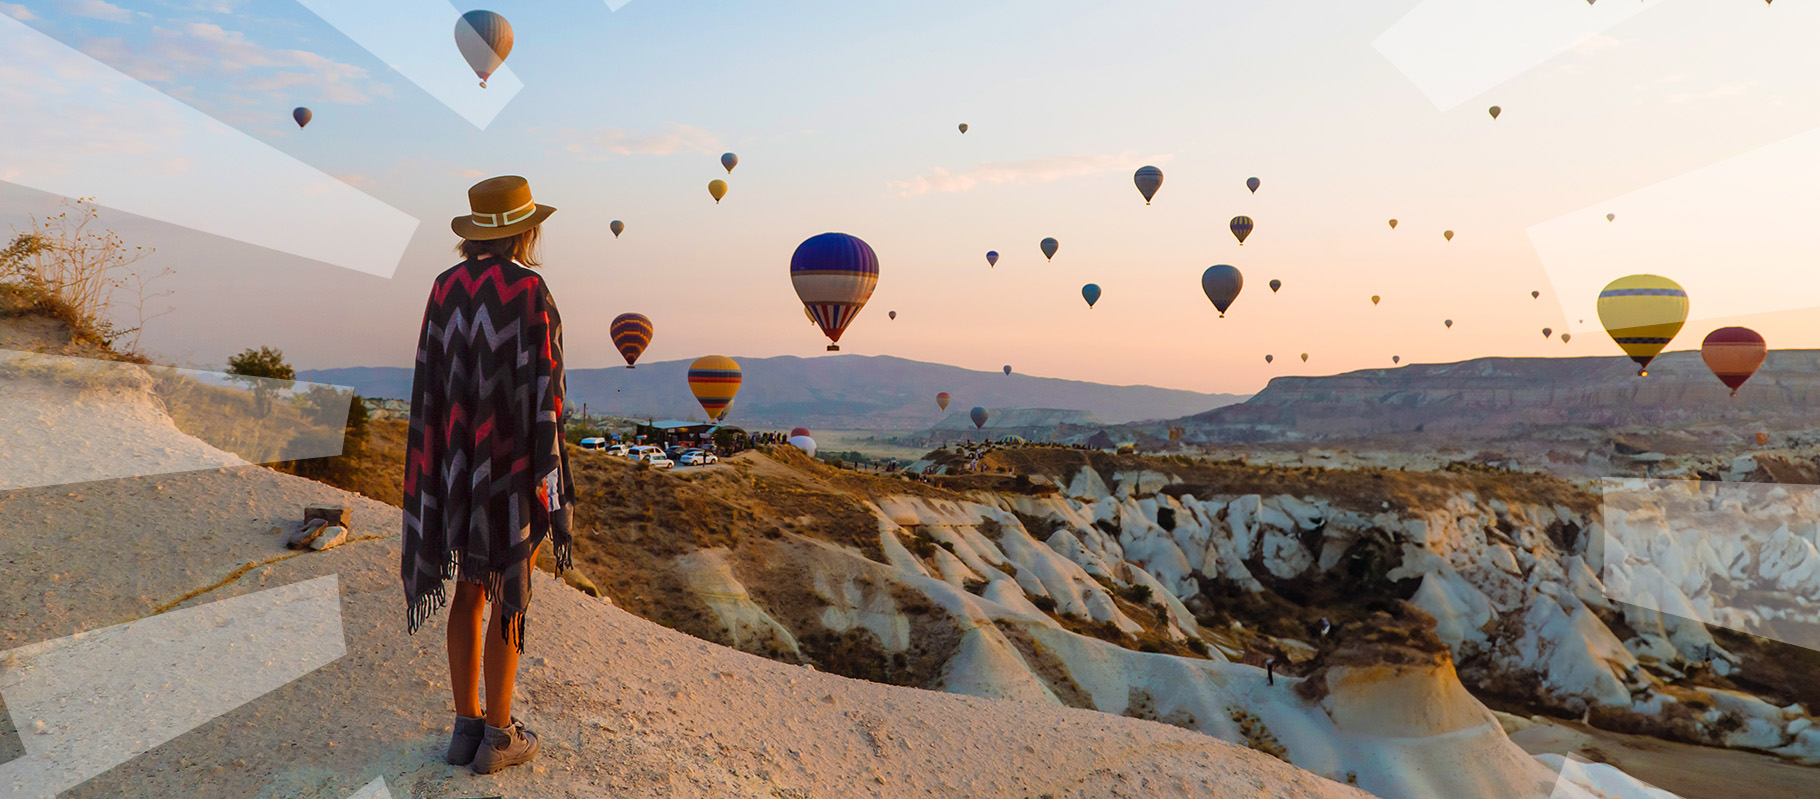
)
(1501, 397)
(842, 392)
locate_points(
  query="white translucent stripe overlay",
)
(77, 127)
(1455, 50)
(416, 38)
(1579, 778)
(1741, 556)
(73, 420)
(374, 790)
(1751, 216)
(87, 703)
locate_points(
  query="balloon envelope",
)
(1268, 358)
(1148, 180)
(1274, 285)
(617, 227)
(631, 334)
(834, 275)
(979, 416)
(1253, 184)
(1222, 283)
(1566, 337)
(892, 314)
(1374, 299)
(717, 189)
(1304, 357)
(1762, 439)
(1610, 217)
(1546, 332)
(1733, 353)
(941, 400)
(714, 380)
(804, 443)
(1396, 359)
(1241, 227)
(302, 116)
(1642, 313)
(963, 127)
(1447, 322)
(1393, 224)
(729, 161)
(798, 431)
(1007, 369)
(1535, 295)
(1495, 111)
(1090, 293)
(484, 39)
(992, 257)
(1447, 234)
(1050, 245)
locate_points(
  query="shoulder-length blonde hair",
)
(525, 248)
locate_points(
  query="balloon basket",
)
(630, 366)
(834, 348)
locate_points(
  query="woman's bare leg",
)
(465, 630)
(502, 662)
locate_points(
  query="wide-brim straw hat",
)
(500, 207)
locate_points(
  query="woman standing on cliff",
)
(486, 478)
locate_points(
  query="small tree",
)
(265, 373)
(76, 270)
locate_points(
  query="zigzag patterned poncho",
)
(486, 478)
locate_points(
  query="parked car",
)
(593, 443)
(620, 450)
(652, 455)
(698, 457)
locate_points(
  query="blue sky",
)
(843, 115)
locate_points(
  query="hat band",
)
(513, 216)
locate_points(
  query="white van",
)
(594, 443)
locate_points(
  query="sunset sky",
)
(844, 117)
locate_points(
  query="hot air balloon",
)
(1304, 357)
(1148, 180)
(1393, 224)
(1274, 285)
(714, 379)
(1546, 332)
(1050, 245)
(810, 315)
(804, 443)
(1396, 359)
(617, 227)
(798, 431)
(1733, 353)
(1447, 234)
(1007, 369)
(1642, 313)
(1535, 295)
(1566, 337)
(991, 258)
(941, 400)
(631, 333)
(1268, 358)
(1221, 283)
(1610, 217)
(1495, 111)
(717, 189)
(484, 39)
(1090, 293)
(1762, 439)
(1447, 322)
(963, 127)
(729, 161)
(1374, 299)
(834, 275)
(1241, 227)
(1253, 184)
(979, 416)
(302, 115)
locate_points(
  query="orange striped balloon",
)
(1733, 353)
(631, 334)
(714, 380)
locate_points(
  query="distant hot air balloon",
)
(1241, 227)
(1222, 283)
(302, 115)
(1546, 332)
(717, 189)
(1495, 111)
(1050, 245)
(963, 127)
(1393, 224)
(484, 39)
(1374, 299)
(1274, 285)
(1642, 313)
(1148, 180)
(1268, 358)
(714, 380)
(1447, 322)
(729, 161)
(892, 314)
(1535, 295)
(798, 431)
(1007, 369)
(991, 258)
(1253, 184)
(1396, 359)
(1566, 337)
(631, 333)
(804, 443)
(834, 275)
(1304, 357)
(617, 227)
(1762, 439)
(979, 416)
(1610, 217)
(1447, 234)
(1733, 353)
(1090, 293)
(941, 400)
